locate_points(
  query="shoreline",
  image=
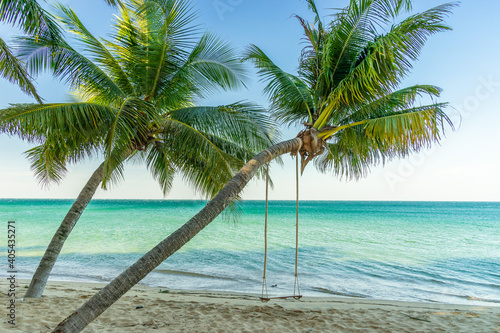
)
(146, 309)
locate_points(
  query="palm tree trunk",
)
(135, 273)
(42, 273)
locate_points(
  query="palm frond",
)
(352, 29)
(396, 135)
(309, 64)
(408, 37)
(170, 21)
(383, 63)
(214, 63)
(30, 17)
(131, 130)
(410, 130)
(290, 96)
(242, 123)
(210, 65)
(238, 130)
(13, 70)
(46, 162)
(176, 90)
(352, 155)
(101, 55)
(317, 18)
(166, 32)
(69, 65)
(160, 166)
(398, 100)
(37, 122)
(125, 45)
(49, 160)
(202, 162)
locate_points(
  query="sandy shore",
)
(145, 309)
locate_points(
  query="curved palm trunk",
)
(135, 273)
(42, 273)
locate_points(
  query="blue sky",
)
(464, 62)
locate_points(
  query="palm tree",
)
(347, 95)
(138, 94)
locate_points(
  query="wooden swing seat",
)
(267, 299)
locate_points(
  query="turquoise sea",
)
(410, 251)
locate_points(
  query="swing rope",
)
(264, 283)
(296, 287)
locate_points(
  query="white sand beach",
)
(146, 309)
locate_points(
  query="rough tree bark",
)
(44, 269)
(96, 305)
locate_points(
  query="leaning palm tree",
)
(348, 97)
(137, 96)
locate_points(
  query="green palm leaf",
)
(32, 19)
(169, 21)
(383, 63)
(29, 16)
(374, 141)
(102, 56)
(290, 97)
(214, 63)
(37, 122)
(352, 155)
(204, 165)
(65, 62)
(410, 129)
(162, 46)
(13, 70)
(130, 131)
(46, 162)
(161, 167)
(398, 100)
(352, 28)
(245, 124)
